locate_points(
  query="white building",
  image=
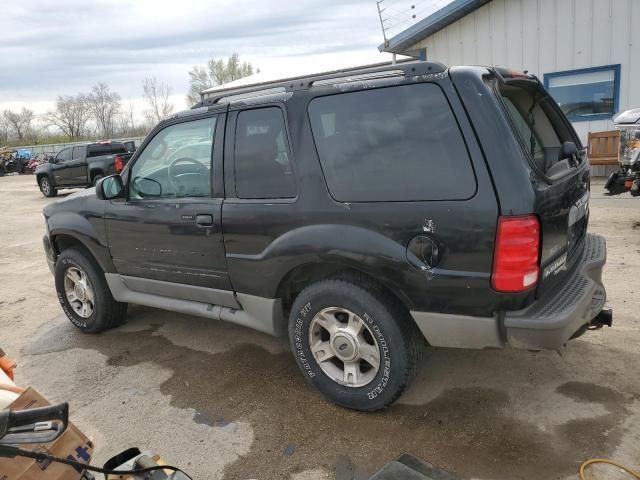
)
(587, 52)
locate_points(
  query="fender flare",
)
(342, 246)
(79, 228)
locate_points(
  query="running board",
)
(257, 313)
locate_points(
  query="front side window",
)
(176, 163)
(262, 158)
(78, 152)
(391, 144)
(64, 155)
(587, 94)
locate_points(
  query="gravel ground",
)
(224, 402)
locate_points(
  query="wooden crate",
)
(603, 147)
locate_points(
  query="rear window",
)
(105, 149)
(391, 144)
(539, 126)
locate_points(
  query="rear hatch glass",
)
(562, 188)
(540, 128)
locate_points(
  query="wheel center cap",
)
(79, 291)
(345, 346)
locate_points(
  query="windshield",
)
(539, 126)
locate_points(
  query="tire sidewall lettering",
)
(71, 315)
(311, 368)
(298, 336)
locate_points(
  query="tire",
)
(46, 188)
(95, 179)
(391, 331)
(102, 312)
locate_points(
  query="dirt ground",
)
(224, 402)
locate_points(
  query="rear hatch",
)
(559, 173)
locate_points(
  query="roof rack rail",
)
(365, 72)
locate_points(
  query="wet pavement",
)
(222, 401)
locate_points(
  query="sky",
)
(63, 47)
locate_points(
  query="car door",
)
(166, 237)
(62, 168)
(78, 165)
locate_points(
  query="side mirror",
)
(110, 187)
(569, 150)
(51, 159)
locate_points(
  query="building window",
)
(586, 94)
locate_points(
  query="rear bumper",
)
(554, 319)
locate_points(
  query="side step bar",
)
(258, 313)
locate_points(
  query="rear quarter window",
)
(398, 143)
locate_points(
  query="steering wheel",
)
(176, 179)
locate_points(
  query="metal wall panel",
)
(545, 36)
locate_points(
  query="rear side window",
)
(262, 157)
(391, 144)
(105, 149)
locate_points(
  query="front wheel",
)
(84, 294)
(46, 188)
(354, 342)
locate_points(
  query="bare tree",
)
(156, 94)
(216, 72)
(19, 122)
(131, 113)
(4, 130)
(71, 115)
(104, 106)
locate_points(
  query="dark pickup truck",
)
(82, 165)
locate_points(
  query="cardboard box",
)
(72, 444)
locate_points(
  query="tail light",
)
(515, 261)
(118, 164)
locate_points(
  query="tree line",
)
(102, 113)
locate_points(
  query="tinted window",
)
(64, 155)
(105, 149)
(176, 162)
(262, 158)
(78, 152)
(391, 144)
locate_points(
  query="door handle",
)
(204, 220)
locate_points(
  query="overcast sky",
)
(56, 47)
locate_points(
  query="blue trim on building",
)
(430, 25)
(616, 87)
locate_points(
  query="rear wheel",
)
(96, 179)
(354, 342)
(84, 294)
(46, 188)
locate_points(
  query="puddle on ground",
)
(466, 430)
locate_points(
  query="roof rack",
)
(366, 72)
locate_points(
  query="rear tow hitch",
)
(605, 317)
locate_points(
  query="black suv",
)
(364, 213)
